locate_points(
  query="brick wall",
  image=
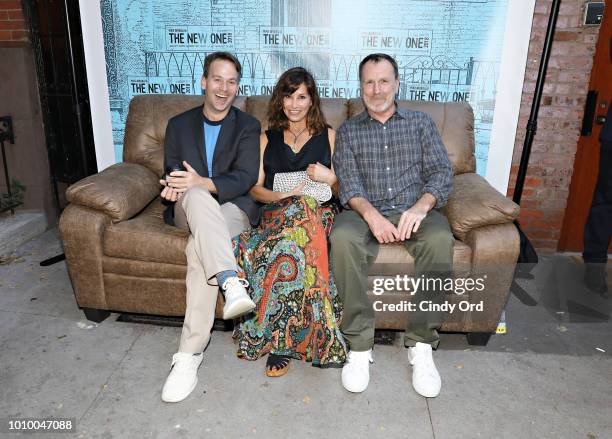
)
(13, 27)
(560, 118)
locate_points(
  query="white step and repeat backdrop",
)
(464, 50)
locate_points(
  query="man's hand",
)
(169, 193)
(382, 229)
(180, 181)
(410, 221)
(183, 180)
(320, 173)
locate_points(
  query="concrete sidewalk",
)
(550, 376)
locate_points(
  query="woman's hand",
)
(296, 191)
(320, 173)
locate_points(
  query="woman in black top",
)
(285, 259)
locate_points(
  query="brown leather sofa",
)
(122, 257)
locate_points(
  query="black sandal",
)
(277, 365)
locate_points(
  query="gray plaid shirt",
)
(392, 164)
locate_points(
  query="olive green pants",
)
(354, 249)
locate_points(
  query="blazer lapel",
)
(198, 134)
(223, 141)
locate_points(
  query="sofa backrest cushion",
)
(145, 128)
(149, 114)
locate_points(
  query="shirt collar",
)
(401, 112)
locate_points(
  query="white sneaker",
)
(237, 301)
(183, 377)
(425, 377)
(356, 371)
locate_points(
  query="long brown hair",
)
(286, 85)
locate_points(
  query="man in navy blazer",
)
(218, 147)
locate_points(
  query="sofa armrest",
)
(495, 250)
(474, 203)
(120, 191)
(82, 233)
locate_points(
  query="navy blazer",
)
(235, 161)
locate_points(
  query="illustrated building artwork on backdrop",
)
(446, 51)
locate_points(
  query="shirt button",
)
(388, 168)
(389, 189)
(386, 147)
(392, 207)
(384, 128)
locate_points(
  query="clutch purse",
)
(287, 181)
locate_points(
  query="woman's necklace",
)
(295, 138)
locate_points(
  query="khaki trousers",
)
(209, 251)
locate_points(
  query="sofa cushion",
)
(147, 238)
(148, 117)
(394, 259)
(145, 128)
(475, 203)
(455, 121)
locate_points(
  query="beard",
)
(378, 105)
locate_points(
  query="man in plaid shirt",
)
(394, 173)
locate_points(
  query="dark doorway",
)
(60, 61)
(586, 163)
